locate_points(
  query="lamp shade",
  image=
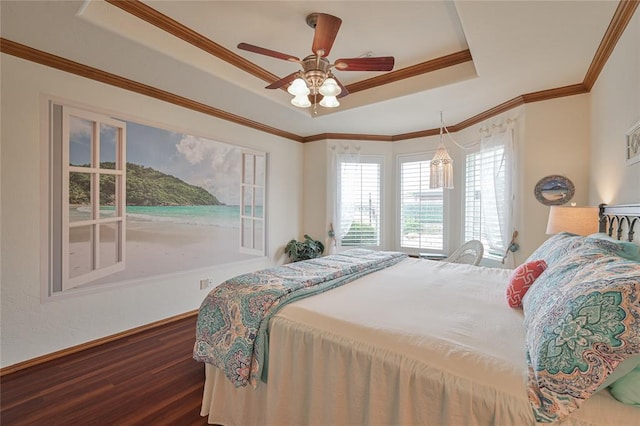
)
(329, 102)
(577, 220)
(330, 88)
(298, 88)
(441, 170)
(301, 101)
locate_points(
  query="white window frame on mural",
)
(98, 221)
(195, 202)
(633, 144)
(252, 205)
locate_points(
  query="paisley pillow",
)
(556, 248)
(521, 279)
(582, 320)
(626, 249)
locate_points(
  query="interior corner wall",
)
(615, 108)
(31, 328)
(316, 216)
(556, 143)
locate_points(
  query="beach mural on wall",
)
(182, 200)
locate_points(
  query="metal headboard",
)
(620, 218)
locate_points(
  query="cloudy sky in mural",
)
(215, 166)
(212, 165)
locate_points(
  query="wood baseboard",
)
(93, 343)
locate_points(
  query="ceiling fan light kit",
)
(298, 88)
(329, 102)
(301, 101)
(315, 77)
(330, 87)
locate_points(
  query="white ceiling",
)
(517, 47)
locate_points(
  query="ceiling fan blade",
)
(382, 63)
(327, 27)
(261, 50)
(278, 84)
(343, 90)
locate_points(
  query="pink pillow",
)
(521, 279)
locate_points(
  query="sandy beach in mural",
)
(157, 248)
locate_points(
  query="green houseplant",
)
(303, 250)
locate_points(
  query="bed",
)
(421, 342)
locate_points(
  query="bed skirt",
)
(307, 386)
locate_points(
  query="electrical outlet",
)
(206, 283)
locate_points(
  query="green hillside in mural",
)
(145, 187)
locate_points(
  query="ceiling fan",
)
(315, 78)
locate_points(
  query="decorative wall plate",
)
(554, 190)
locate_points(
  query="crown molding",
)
(619, 22)
(348, 136)
(173, 27)
(43, 58)
(412, 71)
(621, 18)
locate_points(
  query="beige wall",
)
(615, 107)
(315, 194)
(556, 143)
(31, 328)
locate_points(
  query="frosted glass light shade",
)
(301, 101)
(577, 220)
(441, 169)
(298, 88)
(329, 102)
(330, 88)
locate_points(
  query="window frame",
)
(425, 156)
(364, 159)
(476, 232)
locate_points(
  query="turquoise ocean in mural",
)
(223, 216)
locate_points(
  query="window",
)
(488, 194)
(252, 228)
(359, 200)
(421, 208)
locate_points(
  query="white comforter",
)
(419, 343)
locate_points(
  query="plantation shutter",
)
(361, 195)
(421, 208)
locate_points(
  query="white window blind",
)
(421, 208)
(359, 194)
(479, 222)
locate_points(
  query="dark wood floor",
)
(145, 379)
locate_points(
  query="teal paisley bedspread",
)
(232, 326)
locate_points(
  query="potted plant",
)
(303, 250)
